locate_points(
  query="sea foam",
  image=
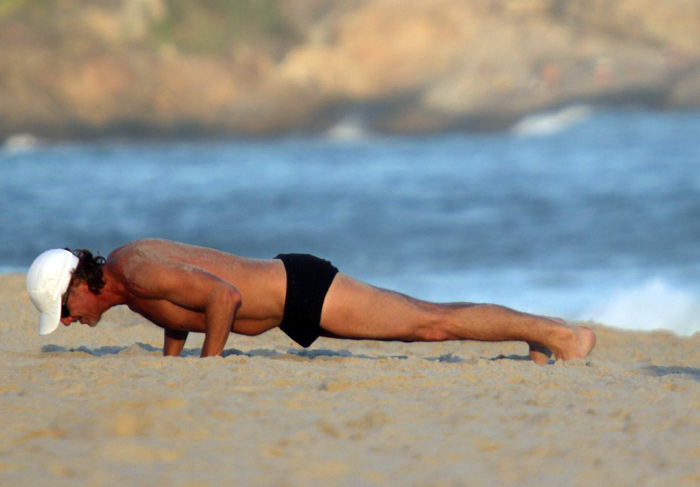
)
(542, 124)
(651, 305)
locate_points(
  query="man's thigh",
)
(354, 309)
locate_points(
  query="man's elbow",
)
(233, 298)
(224, 299)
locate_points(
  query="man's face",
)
(79, 304)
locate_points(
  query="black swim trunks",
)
(308, 281)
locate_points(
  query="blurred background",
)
(541, 154)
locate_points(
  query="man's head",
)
(51, 278)
(47, 281)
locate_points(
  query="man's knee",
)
(431, 334)
(434, 328)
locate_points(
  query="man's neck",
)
(113, 292)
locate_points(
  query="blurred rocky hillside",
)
(173, 68)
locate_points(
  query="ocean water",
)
(584, 214)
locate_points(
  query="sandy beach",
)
(101, 406)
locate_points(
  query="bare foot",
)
(539, 353)
(577, 346)
(572, 342)
(586, 339)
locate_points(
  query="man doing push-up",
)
(184, 288)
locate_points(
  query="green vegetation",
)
(9, 6)
(213, 25)
(196, 26)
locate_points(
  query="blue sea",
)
(585, 214)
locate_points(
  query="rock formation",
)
(171, 68)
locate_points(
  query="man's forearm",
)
(220, 315)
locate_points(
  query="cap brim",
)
(49, 319)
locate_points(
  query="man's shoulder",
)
(137, 264)
(128, 258)
(135, 248)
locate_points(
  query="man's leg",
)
(353, 309)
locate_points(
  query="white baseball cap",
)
(48, 278)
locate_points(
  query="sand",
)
(94, 407)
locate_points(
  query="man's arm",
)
(189, 288)
(174, 342)
(219, 315)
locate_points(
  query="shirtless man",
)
(184, 288)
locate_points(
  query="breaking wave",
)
(652, 305)
(549, 123)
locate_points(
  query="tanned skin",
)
(184, 288)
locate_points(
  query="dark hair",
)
(89, 269)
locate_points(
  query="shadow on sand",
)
(139, 348)
(663, 371)
(142, 348)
